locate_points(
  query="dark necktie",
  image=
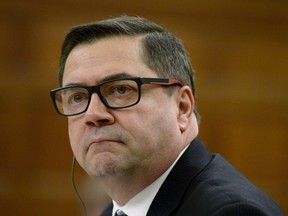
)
(120, 213)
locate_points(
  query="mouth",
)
(103, 144)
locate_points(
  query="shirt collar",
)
(140, 203)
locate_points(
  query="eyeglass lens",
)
(114, 94)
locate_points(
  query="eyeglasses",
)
(115, 94)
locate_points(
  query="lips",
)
(102, 138)
(103, 143)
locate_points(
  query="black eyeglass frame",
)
(96, 89)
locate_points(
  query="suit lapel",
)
(168, 198)
(194, 159)
(108, 210)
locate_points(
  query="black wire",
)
(74, 186)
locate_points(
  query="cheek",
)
(150, 124)
(75, 135)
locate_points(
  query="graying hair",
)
(162, 51)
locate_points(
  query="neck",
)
(123, 188)
(191, 131)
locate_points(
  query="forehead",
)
(91, 63)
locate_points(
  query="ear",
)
(185, 101)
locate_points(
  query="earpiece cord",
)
(74, 186)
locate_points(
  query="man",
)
(127, 87)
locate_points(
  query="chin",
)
(102, 165)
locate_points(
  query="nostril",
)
(100, 122)
(90, 123)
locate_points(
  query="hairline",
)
(140, 37)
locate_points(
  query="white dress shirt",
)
(140, 203)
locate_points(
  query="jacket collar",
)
(194, 159)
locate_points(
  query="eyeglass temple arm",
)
(161, 81)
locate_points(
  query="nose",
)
(97, 113)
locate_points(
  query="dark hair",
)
(162, 52)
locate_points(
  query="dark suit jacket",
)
(205, 184)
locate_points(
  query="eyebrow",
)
(116, 76)
(107, 78)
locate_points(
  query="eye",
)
(121, 89)
(77, 98)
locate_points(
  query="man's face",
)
(121, 141)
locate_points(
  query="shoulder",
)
(220, 189)
(243, 208)
(203, 184)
